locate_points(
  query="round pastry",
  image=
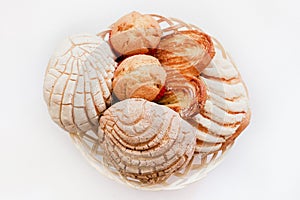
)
(185, 94)
(145, 141)
(188, 51)
(135, 33)
(78, 82)
(199, 101)
(139, 76)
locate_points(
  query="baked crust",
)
(139, 76)
(135, 33)
(186, 94)
(145, 141)
(189, 51)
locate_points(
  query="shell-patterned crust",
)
(145, 141)
(78, 82)
(185, 94)
(188, 51)
(226, 110)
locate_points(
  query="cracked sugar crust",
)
(78, 82)
(145, 141)
(188, 51)
(226, 111)
(135, 33)
(139, 76)
(185, 94)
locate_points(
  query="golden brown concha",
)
(135, 33)
(184, 94)
(189, 52)
(139, 76)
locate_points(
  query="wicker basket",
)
(199, 165)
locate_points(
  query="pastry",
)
(189, 52)
(145, 141)
(199, 100)
(139, 76)
(226, 108)
(135, 33)
(185, 94)
(78, 82)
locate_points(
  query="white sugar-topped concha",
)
(145, 141)
(78, 82)
(137, 142)
(227, 100)
(226, 110)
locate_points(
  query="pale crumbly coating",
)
(74, 90)
(145, 141)
(139, 76)
(135, 33)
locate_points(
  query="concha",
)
(185, 94)
(188, 51)
(139, 76)
(141, 143)
(78, 82)
(226, 111)
(135, 33)
(145, 141)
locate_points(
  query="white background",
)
(37, 158)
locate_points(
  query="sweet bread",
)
(135, 33)
(139, 76)
(153, 102)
